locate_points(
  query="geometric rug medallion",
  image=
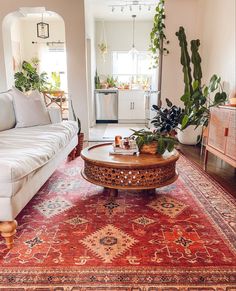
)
(108, 243)
(168, 206)
(72, 236)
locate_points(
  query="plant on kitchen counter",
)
(97, 81)
(111, 82)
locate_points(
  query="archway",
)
(22, 43)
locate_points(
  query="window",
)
(54, 60)
(131, 68)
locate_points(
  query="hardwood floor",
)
(216, 168)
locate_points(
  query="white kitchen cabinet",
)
(131, 106)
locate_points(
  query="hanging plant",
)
(157, 35)
(103, 43)
(103, 49)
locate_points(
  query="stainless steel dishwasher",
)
(106, 102)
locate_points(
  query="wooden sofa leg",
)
(7, 230)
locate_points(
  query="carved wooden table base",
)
(127, 172)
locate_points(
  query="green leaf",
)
(170, 146)
(161, 146)
(195, 85)
(168, 102)
(185, 121)
(205, 91)
(185, 98)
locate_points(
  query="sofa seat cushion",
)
(24, 150)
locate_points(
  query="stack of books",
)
(131, 150)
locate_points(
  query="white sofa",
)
(28, 157)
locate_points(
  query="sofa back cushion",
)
(7, 114)
(30, 109)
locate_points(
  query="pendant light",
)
(133, 50)
(42, 29)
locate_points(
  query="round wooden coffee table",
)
(137, 172)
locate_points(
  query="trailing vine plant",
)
(158, 43)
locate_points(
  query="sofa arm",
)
(55, 115)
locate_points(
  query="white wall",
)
(74, 18)
(178, 13)
(218, 38)
(29, 34)
(91, 59)
(119, 37)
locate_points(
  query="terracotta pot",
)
(150, 148)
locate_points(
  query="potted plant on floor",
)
(162, 137)
(196, 97)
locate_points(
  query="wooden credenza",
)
(222, 134)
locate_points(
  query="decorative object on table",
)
(77, 150)
(162, 138)
(153, 142)
(103, 48)
(42, 29)
(126, 146)
(158, 42)
(29, 79)
(196, 98)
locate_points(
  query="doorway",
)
(44, 53)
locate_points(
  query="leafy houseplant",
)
(167, 119)
(111, 82)
(158, 42)
(153, 142)
(29, 78)
(196, 98)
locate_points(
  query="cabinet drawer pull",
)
(226, 131)
(130, 106)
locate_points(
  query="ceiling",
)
(123, 9)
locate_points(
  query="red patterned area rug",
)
(73, 236)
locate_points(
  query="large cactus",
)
(185, 61)
(196, 60)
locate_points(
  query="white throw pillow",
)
(30, 110)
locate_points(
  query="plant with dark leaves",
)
(167, 119)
